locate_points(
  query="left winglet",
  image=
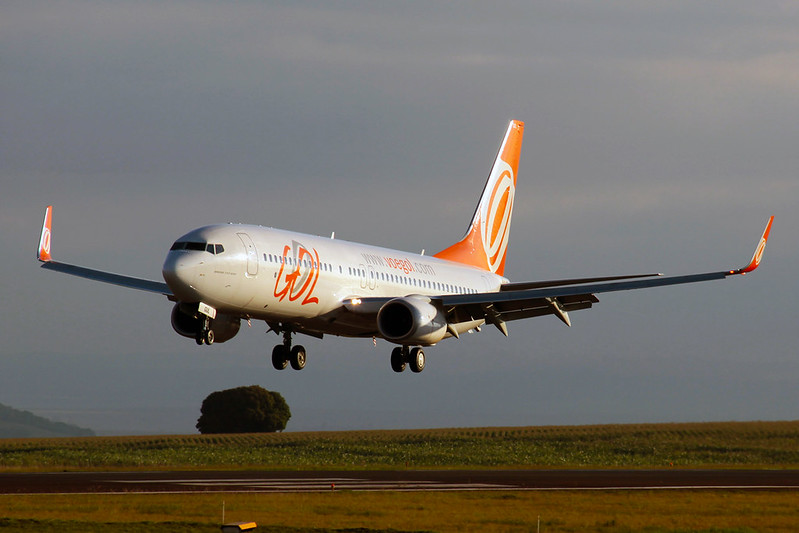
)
(46, 236)
(44, 255)
(758, 255)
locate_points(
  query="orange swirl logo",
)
(496, 214)
(298, 280)
(761, 247)
(46, 241)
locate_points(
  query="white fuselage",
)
(276, 275)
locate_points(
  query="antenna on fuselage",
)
(333, 235)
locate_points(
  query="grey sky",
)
(660, 136)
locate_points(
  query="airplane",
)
(222, 274)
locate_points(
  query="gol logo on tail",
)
(301, 281)
(496, 214)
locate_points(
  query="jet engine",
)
(411, 320)
(187, 321)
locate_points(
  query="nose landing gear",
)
(205, 335)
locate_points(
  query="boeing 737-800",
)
(222, 274)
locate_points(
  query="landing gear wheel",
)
(199, 338)
(398, 359)
(417, 360)
(297, 358)
(209, 337)
(280, 357)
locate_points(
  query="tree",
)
(250, 409)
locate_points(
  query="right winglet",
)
(45, 238)
(758, 255)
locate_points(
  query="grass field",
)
(728, 444)
(721, 445)
(559, 512)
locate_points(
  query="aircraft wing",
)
(558, 297)
(44, 255)
(561, 296)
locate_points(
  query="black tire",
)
(199, 339)
(280, 357)
(397, 359)
(417, 360)
(209, 337)
(298, 357)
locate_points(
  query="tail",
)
(485, 244)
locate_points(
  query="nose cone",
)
(181, 271)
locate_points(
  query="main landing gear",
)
(283, 354)
(402, 356)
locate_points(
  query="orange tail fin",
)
(485, 244)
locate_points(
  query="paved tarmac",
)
(403, 480)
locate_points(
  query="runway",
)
(405, 480)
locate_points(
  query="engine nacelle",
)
(411, 320)
(188, 322)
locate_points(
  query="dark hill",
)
(16, 424)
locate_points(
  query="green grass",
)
(724, 444)
(670, 511)
(709, 445)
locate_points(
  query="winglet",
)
(45, 238)
(758, 256)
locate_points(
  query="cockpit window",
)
(199, 247)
